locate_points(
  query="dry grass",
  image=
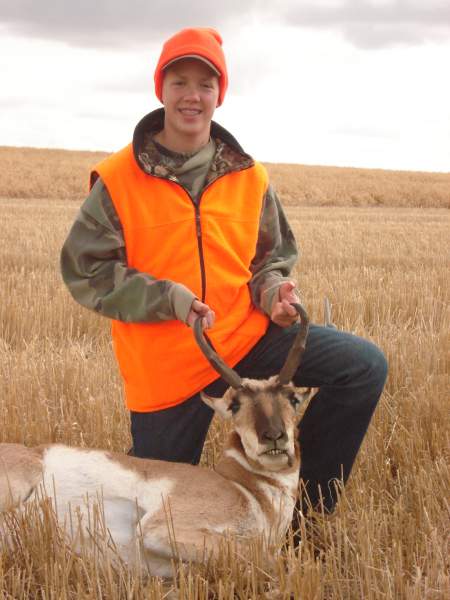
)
(64, 174)
(343, 186)
(386, 273)
(45, 174)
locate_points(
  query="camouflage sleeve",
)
(94, 268)
(276, 253)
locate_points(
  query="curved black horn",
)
(226, 372)
(295, 354)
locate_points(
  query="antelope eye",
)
(293, 399)
(235, 406)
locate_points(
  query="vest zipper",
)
(198, 232)
(198, 227)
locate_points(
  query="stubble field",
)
(386, 273)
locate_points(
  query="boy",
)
(183, 223)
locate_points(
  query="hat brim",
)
(196, 56)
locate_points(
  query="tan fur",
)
(20, 472)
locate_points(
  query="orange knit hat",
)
(202, 42)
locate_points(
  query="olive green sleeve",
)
(94, 268)
(276, 253)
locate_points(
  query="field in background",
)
(63, 174)
(386, 273)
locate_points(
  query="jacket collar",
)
(229, 155)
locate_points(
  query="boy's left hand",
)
(283, 314)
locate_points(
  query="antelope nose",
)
(273, 435)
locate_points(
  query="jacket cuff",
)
(181, 299)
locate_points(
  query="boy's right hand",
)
(199, 309)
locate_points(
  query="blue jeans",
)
(350, 373)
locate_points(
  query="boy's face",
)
(190, 93)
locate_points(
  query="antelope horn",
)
(226, 372)
(295, 354)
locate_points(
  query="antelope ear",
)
(303, 396)
(221, 406)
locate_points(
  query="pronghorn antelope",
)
(252, 490)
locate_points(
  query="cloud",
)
(100, 114)
(136, 81)
(14, 102)
(124, 24)
(115, 22)
(365, 131)
(375, 23)
(7, 102)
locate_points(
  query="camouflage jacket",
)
(94, 256)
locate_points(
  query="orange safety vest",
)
(207, 248)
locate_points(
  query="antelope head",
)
(264, 412)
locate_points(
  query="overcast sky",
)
(361, 83)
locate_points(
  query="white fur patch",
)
(288, 480)
(82, 479)
(283, 503)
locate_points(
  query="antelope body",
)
(160, 511)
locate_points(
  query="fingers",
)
(199, 309)
(198, 306)
(288, 309)
(284, 314)
(208, 319)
